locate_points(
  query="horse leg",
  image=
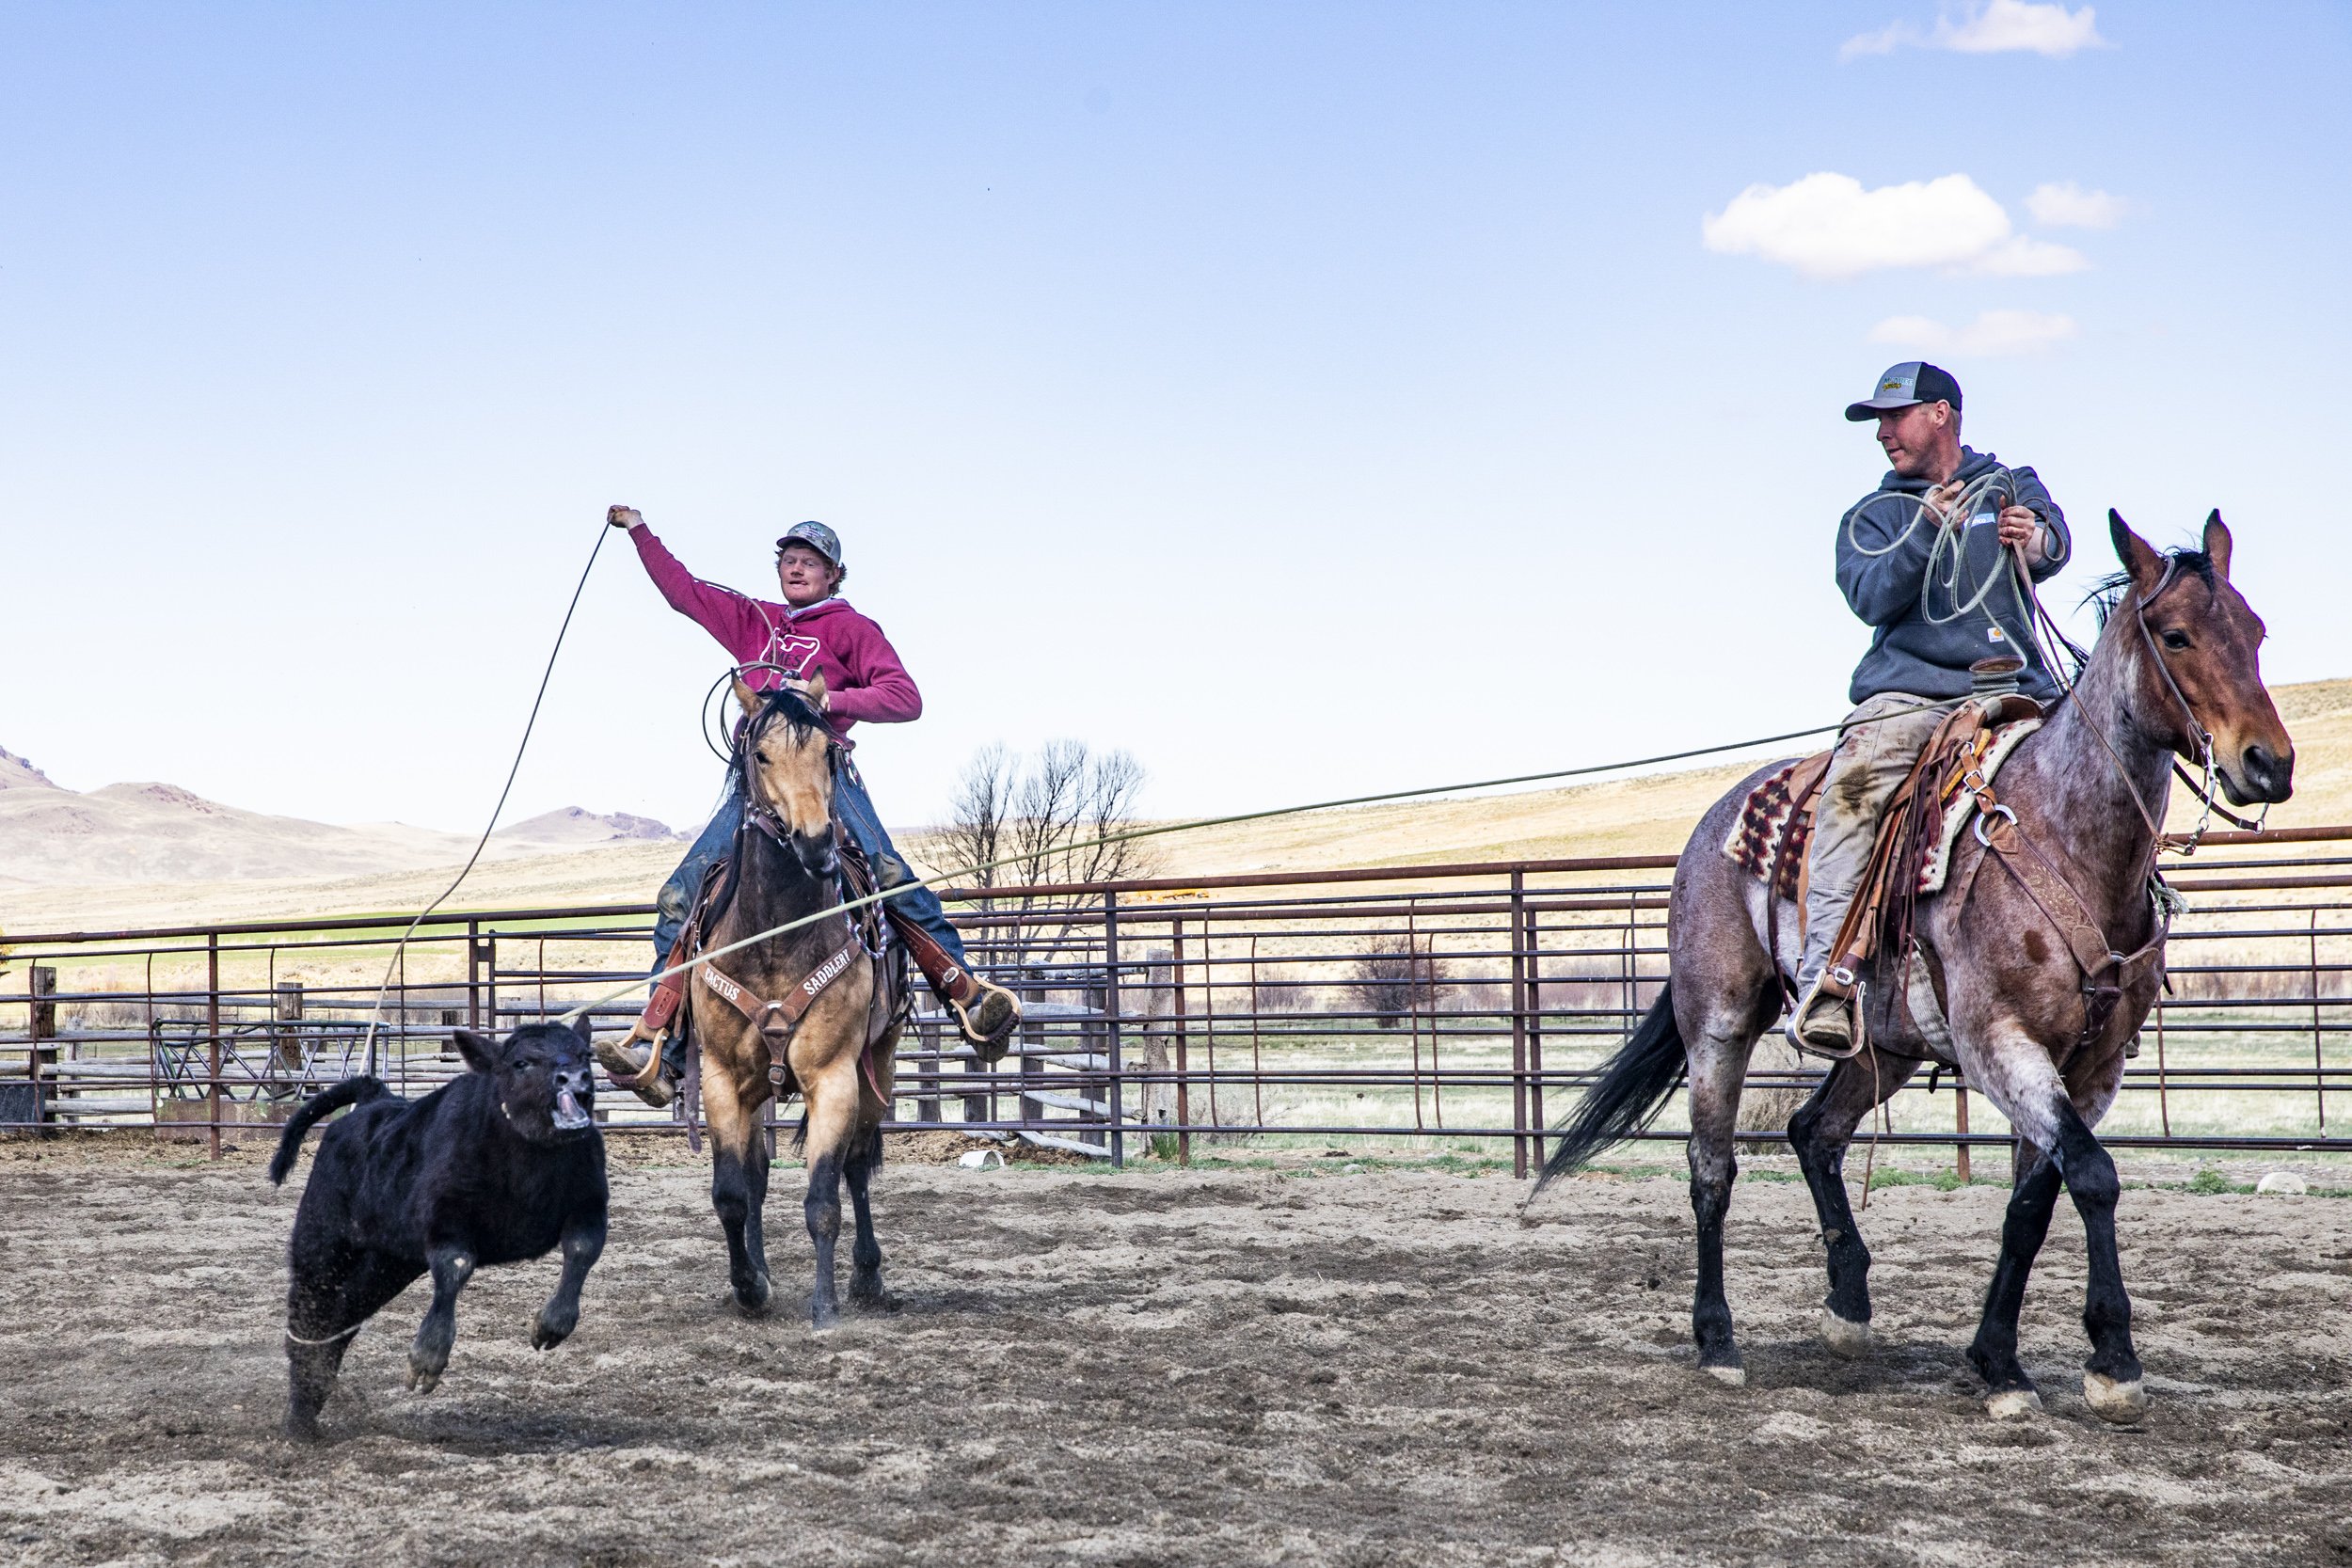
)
(1718, 1054)
(865, 1280)
(1820, 1132)
(2112, 1378)
(738, 1183)
(2009, 1393)
(2016, 1073)
(832, 1097)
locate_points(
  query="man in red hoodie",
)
(811, 632)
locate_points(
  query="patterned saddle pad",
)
(1769, 814)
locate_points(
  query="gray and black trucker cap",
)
(817, 536)
(1913, 380)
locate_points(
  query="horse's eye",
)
(763, 758)
(2176, 639)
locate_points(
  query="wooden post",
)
(41, 1024)
(285, 1045)
(1959, 1125)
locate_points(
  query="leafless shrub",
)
(1395, 975)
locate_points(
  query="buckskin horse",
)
(2043, 969)
(830, 1032)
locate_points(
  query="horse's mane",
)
(2108, 592)
(793, 708)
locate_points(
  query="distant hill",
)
(160, 833)
(536, 863)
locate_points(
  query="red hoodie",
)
(863, 679)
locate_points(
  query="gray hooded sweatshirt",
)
(1917, 645)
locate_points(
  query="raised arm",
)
(726, 614)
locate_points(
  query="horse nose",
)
(2271, 773)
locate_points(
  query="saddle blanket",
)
(1769, 814)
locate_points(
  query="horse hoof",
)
(2124, 1403)
(1843, 1334)
(1730, 1377)
(2013, 1404)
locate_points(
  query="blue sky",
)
(1310, 399)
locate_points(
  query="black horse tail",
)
(1632, 1088)
(351, 1091)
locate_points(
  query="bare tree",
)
(1397, 976)
(1046, 818)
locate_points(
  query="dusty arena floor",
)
(1236, 1367)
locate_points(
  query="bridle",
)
(2199, 737)
(757, 812)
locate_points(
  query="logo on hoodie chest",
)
(795, 654)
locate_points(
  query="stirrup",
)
(1822, 1022)
(641, 1075)
(987, 1018)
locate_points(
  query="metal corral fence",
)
(1437, 1007)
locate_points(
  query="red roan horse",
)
(2174, 671)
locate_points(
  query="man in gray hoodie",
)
(1926, 560)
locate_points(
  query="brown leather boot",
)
(637, 1063)
(986, 1012)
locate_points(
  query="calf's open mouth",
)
(570, 1115)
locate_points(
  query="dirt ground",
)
(1246, 1367)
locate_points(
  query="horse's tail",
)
(1632, 1088)
(351, 1091)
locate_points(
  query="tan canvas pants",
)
(1877, 745)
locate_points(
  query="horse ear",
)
(479, 1051)
(2139, 557)
(2218, 545)
(817, 691)
(745, 697)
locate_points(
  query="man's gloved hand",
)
(622, 517)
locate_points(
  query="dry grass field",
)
(1647, 815)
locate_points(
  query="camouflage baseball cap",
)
(817, 536)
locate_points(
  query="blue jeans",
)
(855, 809)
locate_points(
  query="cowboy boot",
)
(1821, 1023)
(986, 1013)
(645, 1069)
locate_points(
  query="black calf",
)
(500, 1164)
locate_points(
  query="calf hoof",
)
(424, 1376)
(2013, 1404)
(300, 1428)
(2124, 1403)
(547, 1331)
(1843, 1334)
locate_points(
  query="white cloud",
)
(1990, 27)
(1827, 226)
(2070, 206)
(1994, 334)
